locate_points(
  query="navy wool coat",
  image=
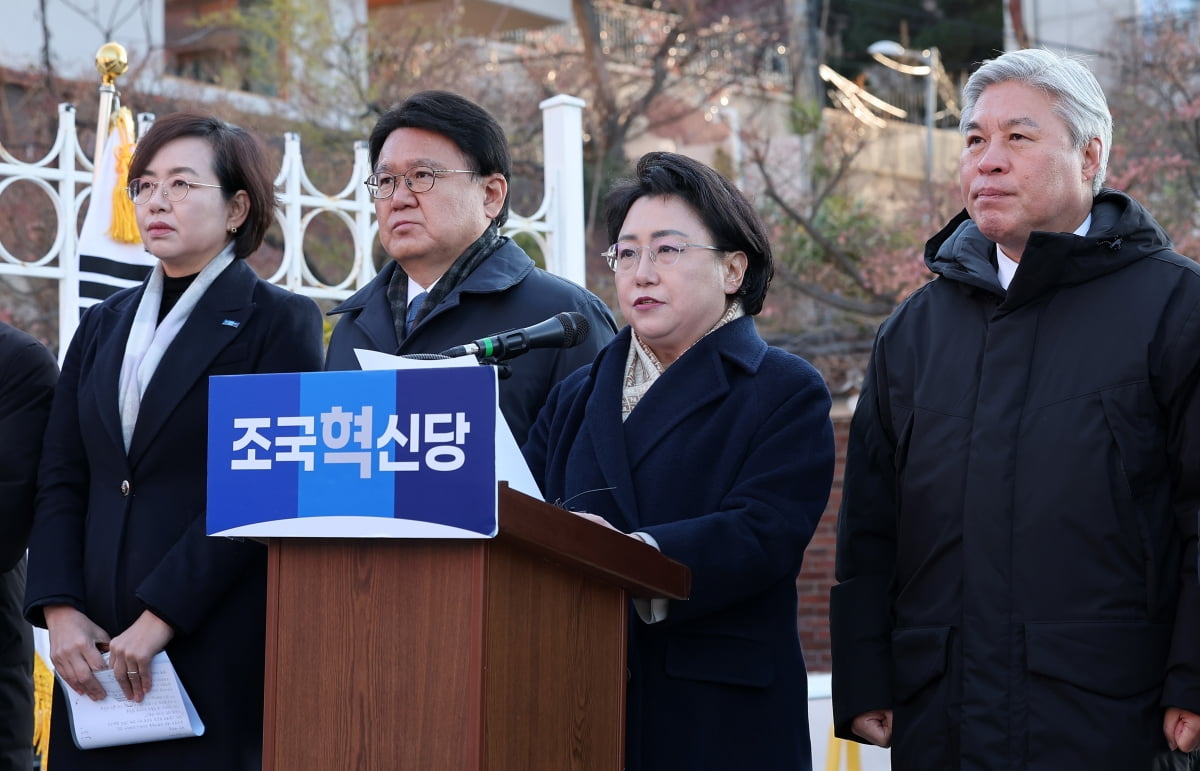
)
(116, 534)
(727, 462)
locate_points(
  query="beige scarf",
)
(642, 367)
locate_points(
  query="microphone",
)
(564, 330)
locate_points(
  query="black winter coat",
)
(506, 292)
(27, 375)
(1016, 550)
(119, 533)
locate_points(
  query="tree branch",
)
(840, 259)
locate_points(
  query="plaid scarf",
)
(468, 261)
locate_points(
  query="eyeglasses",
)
(624, 256)
(176, 188)
(418, 179)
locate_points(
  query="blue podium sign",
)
(388, 453)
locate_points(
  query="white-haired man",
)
(1016, 555)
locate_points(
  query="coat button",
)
(125, 487)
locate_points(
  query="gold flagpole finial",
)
(111, 62)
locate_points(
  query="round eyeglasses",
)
(175, 189)
(623, 256)
(418, 179)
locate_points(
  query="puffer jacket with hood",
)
(1016, 556)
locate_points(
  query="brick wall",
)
(816, 576)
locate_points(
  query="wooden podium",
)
(456, 655)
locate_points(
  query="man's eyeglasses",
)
(624, 256)
(176, 188)
(418, 179)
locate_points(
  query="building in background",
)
(173, 56)
(1086, 28)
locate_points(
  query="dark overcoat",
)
(116, 534)
(1016, 550)
(507, 291)
(726, 462)
(27, 375)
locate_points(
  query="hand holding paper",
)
(166, 712)
(131, 653)
(75, 643)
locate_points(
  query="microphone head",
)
(575, 328)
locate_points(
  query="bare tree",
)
(1156, 111)
(836, 244)
(641, 69)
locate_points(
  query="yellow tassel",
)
(43, 696)
(124, 222)
(833, 758)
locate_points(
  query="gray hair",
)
(1071, 86)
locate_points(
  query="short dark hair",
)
(470, 127)
(724, 210)
(239, 161)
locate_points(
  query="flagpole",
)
(111, 63)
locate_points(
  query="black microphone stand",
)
(503, 368)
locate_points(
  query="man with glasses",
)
(440, 176)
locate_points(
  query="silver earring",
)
(233, 230)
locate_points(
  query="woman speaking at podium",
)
(690, 433)
(119, 559)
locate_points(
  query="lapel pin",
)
(229, 323)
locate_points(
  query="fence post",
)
(293, 238)
(364, 216)
(562, 142)
(68, 255)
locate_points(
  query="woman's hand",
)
(73, 649)
(129, 653)
(594, 518)
(602, 521)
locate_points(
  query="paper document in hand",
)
(165, 713)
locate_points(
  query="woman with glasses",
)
(688, 432)
(120, 567)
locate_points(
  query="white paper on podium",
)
(510, 463)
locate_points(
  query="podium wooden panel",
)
(446, 655)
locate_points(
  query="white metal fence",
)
(65, 175)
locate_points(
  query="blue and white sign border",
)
(283, 429)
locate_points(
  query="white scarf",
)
(148, 340)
